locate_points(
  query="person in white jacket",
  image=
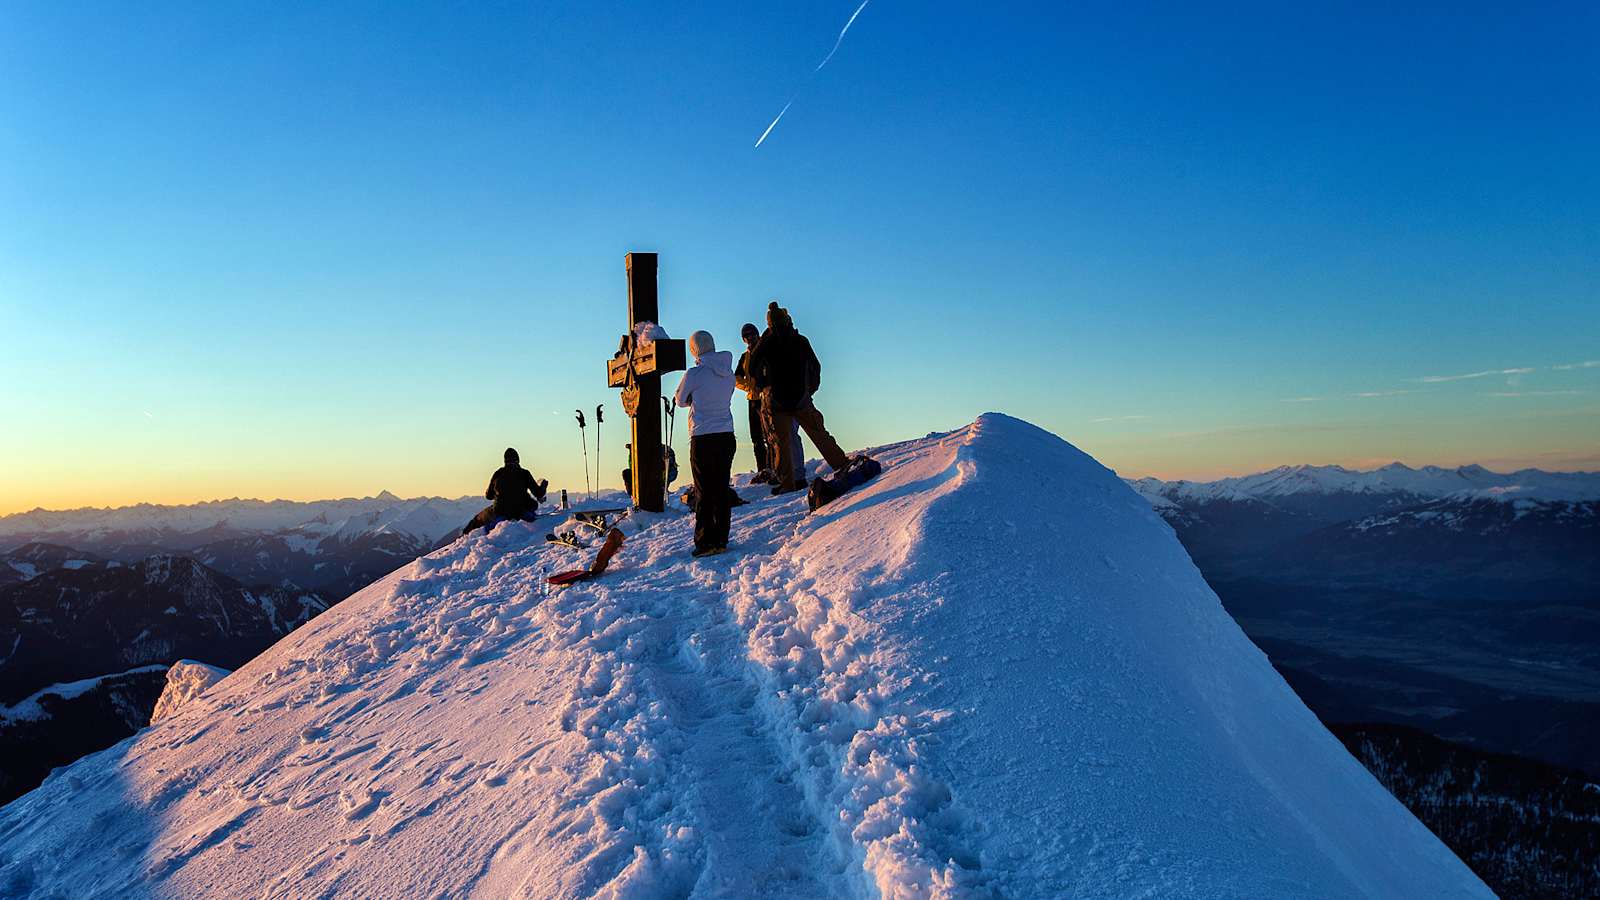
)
(706, 391)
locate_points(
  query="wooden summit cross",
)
(637, 368)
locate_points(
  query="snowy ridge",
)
(1429, 482)
(991, 671)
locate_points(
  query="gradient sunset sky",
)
(312, 250)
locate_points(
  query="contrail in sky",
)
(840, 40)
(836, 43)
(774, 122)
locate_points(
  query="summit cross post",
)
(637, 368)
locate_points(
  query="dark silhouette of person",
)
(743, 380)
(514, 493)
(787, 370)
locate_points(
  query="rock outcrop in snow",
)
(186, 680)
(992, 671)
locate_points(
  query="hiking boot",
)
(707, 551)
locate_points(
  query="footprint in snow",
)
(359, 804)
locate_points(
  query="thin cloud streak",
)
(774, 123)
(1265, 428)
(1586, 364)
(1120, 419)
(1371, 394)
(1437, 379)
(1301, 400)
(1533, 393)
(840, 39)
(836, 44)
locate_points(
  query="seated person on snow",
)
(514, 492)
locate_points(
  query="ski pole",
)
(599, 416)
(671, 410)
(584, 437)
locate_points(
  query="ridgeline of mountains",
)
(96, 603)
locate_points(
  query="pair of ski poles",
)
(599, 417)
(668, 407)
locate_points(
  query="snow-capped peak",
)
(1425, 483)
(992, 671)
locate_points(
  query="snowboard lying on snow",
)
(601, 560)
(823, 491)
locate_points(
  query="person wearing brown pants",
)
(787, 370)
(809, 418)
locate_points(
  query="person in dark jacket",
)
(787, 369)
(743, 380)
(514, 493)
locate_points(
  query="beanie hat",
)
(701, 343)
(511, 455)
(774, 313)
(749, 331)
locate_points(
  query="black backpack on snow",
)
(823, 491)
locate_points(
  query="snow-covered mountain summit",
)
(991, 671)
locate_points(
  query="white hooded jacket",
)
(707, 392)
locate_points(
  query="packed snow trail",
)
(990, 672)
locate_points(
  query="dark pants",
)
(797, 456)
(758, 436)
(488, 518)
(809, 418)
(710, 461)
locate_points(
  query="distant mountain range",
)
(332, 547)
(1431, 522)
(95, 603)
(1394, 480)
(1463, 602)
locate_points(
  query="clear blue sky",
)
(304, 250)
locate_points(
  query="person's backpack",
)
(826, 490)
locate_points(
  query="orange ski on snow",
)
(601, 560)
